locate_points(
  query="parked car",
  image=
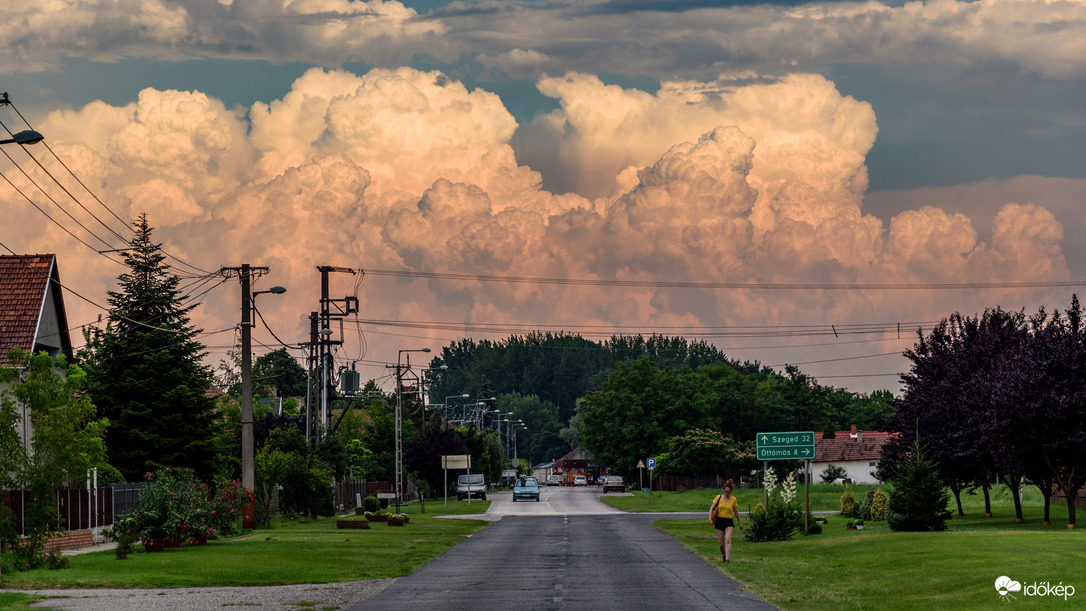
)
(526, 488)
(470, 486)
(614, 482)
(554, 480)
(580, 480)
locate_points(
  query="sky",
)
(796, 183)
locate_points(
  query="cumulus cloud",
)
(406, 169)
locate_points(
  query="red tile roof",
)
(844, 448)
(24, 280)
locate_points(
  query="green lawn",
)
(876, 568)
(314, 552)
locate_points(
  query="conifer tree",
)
(919, 501)
(146, 370)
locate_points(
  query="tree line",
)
(1000, 396)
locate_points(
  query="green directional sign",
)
(795, 445)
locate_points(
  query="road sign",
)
(455, 461)
(386, 495)
(651, 462)
(640, 464)
(795, 445)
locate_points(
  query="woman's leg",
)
(720, 543)
(727, 547)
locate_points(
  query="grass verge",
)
(295, 552)
(876, 568)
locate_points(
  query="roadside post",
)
(455, 461)
(652, 465)
(641, 474)
(793, 445)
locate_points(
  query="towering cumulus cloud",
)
(759, 182)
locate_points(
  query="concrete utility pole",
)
(248, 472)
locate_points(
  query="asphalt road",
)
(568, 551)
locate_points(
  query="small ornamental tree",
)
(848, 503)
(919, 501)
(66, 439)
(878, 506)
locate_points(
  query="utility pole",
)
(330, 308)
(248, 472)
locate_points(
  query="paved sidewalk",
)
(97, 547)
(318, 596)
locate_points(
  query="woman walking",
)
(724, 516)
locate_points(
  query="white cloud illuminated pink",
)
(403, 169)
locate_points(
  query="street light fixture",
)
(463, 396)
(399, 420)
(27, 136)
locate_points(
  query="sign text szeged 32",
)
(795, 445)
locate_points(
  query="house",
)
(576, 462)
(32, 316)
(33, 319)
(542, 470)
(856, 451)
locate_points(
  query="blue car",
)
(526, 488)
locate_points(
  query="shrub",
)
(865, 506)
(814, 529)
(778, 520)
(878, 506)
(124, 533)
(56, 560)
(226, 508)
(832, 472)
(370, 504)
(848, 503)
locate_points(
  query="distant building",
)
(543, 470)
(577, 462)
(857, 451)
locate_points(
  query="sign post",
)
(793, 445)
(640, 474)
(454, 461)
(651, 462)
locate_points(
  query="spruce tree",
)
(919, 501)
(147, 373)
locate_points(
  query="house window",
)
(872, 464)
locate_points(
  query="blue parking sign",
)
(651, 462)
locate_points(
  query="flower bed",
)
(352, 523)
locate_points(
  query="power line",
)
(8, 102)
(789, 286)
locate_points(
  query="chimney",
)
(853, 433)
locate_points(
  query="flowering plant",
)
(778, 520)
(124, 533)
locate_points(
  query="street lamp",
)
(248, 470)
(463, 396)
(27, 136)
(399, 420)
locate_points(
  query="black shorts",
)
(722, 523)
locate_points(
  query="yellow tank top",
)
(724, 508)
